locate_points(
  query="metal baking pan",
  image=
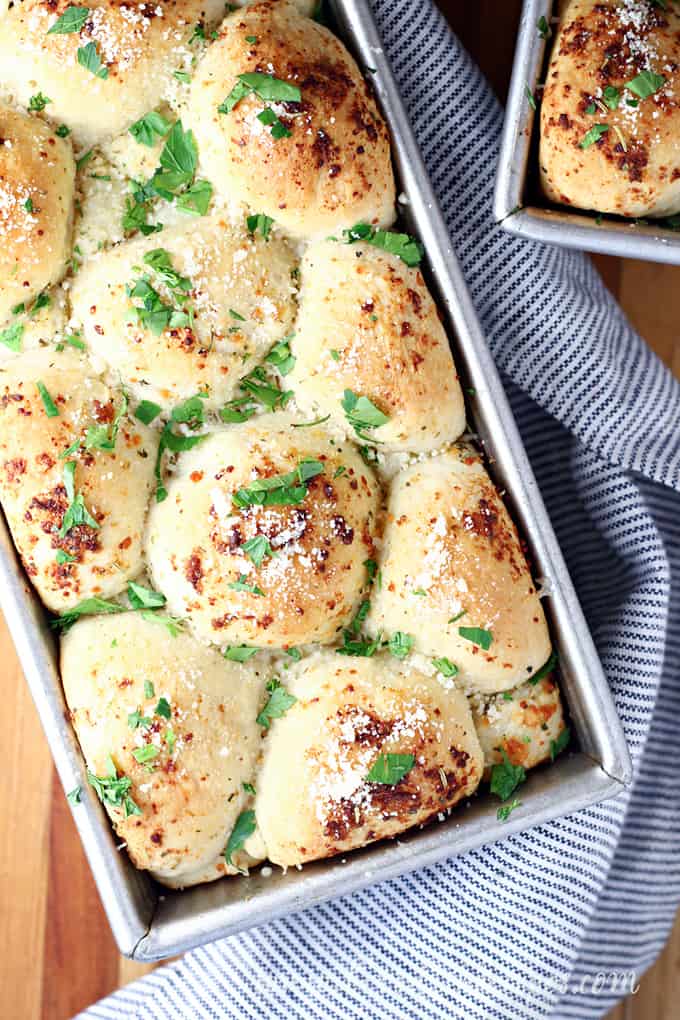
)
(519, 205)
(150, 923)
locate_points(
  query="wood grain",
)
(57, 952)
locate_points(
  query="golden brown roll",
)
(523, 722)
(177, 722)
(111, 71)
(356, 722)
(368, 324)
(610, 114)
(37, 174)
(285, 573)
(323, 162)
(455, 578)
(78, 529)
(235, 294)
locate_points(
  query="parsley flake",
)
(362, 414)
(51, 409)
(72, 20)
(400, 644)
(477, 636)
(114, 789)
(279, 490)
(559, 745)
(506, 777)
(545, 670)
(144, 598)
(88, 607)
(593, 135)
(645, 84)
(245, 826)
(405, 247)
(88, 57)
(38, 102)
(390, 769)
(149, 128)
(239, 653)
(278, 703)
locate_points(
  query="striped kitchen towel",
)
(525, 928)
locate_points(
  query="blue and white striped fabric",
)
(521, 929)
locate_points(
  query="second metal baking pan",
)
(519, 206)
(150, 923)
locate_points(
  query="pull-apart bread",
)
(295, 615)
(610, 115)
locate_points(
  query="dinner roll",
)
(610, 115)
(368, 324)
(351, 717)
(37, 174)
(87, 541)
(109, 73)
(523, 722)
(276, 575)
(135, 692)
(455, 578)
(334, 168)
(237, 290)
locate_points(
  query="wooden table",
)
(57, 952)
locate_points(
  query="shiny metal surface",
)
(151, 923)
(518, 206)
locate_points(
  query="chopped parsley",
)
(242, 585)
(645, 84)
(545, 670)
(100, 437)
(279, 490)
(190, 411)
(531, 99)
(175, 444)
(171, 623)
(144, 598)
(149, 689)
(163, 708)
(257, 548)
(559, 745)
(153, 313)
(62, 557)
(196, 199)
(88, 57)
(88, 607)
(445, 667)
(38, 102)
(404, 246)
(281, 358)
(84, 159)
(258, 221)
(390, 769)
(244, 827)
(51, 409)
(136, 720)
(149, 128)
(74, 796)
(28, 205)
(12, 336)
(506, 810)
(178, 162)
(506, 777)
(72, 20)
(240, 653)
(182, 76)
(248, 788)
(114, 789)
(611, 96)
(362, 414)
(543, 27)
(477, 636)
(76, 513)
(62, 131)
(270, 120)
(400, 644)
(593, 135)
(145, 754)
(265, 86)
(147, 411)
(278, 703)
